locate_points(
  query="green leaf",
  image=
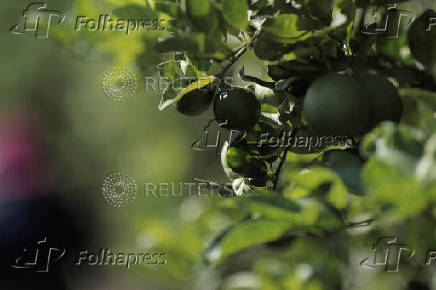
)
(172, 95)
(426, 169)
(319, 9)
(424, 104)
(393, 192)
(273, 206)
(245, 234)
(422, 39)
(135, 11)
(193, 43)
(171, 69)
(215, 46)
(269, 205)
(170, 8)
(178, 68)
(348, 166)
(235, 12)
(286, 28)
(201, 14)
(198, 8)
(427, 97)
(311, 179)
(399, 146)
(258, 4)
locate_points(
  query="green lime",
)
(336, 105)
(386, 104)
(244, 162)
(237, 108)
(195, 102)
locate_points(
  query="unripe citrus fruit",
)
(195, 102)
(306, 143)
(244, 162)
(237, 108)
(336, 105)
(386, 104)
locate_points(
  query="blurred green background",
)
(88, 137)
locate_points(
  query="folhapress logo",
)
(389, 253)
(38, 257)
(37, 19)
(387, 21)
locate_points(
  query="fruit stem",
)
(234, 58)
(283, 160)
(238, 54)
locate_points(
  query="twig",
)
(283, 160)
(363, 223)
(240, 52)
(234, 58)
(279, 168)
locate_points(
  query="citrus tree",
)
(325, 79)
(338, 135)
